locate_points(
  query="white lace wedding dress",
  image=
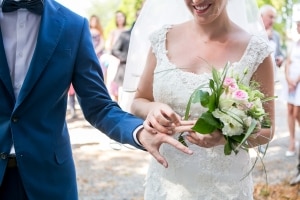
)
(207, 174)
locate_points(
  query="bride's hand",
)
(162, 119)
(206, 140)
(185, 126)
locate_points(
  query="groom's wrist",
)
(136, 133)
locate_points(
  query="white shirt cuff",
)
(135, 134)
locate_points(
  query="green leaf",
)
(212, 85)
(212, 103)
(227, 148)
(195, 98)
(204, 98)
(206, 124)
(216, 76)
(188, 107)
(269, 99)
(248, 133)
(181, 140)
(238, 138)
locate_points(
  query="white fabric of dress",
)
(293, 97)
(207, 174)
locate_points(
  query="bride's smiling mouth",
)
(201, 8)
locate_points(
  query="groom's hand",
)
(152, 141)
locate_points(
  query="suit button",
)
(3, 155)
(15, 119)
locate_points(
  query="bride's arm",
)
(265, 77)
(158, 116)
(143, 99)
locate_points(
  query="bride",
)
(185, 35)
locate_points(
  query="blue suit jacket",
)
(35, 122)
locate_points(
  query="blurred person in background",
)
(120, 22)
(109, 61)
(291, 92)
(98, 38)
(268, 14)
(120, 51)
(72, 102)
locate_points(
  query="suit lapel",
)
(4, 69)
(52, 24)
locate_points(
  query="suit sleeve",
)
(97, 106)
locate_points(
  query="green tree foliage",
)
(130, 7)
(106, 9)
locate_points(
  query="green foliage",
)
(130, 7)
(106, 9)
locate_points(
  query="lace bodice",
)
(208, 173)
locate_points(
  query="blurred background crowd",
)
(110, 23)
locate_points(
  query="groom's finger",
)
(159, 158)
(180, 129)
(170, 140)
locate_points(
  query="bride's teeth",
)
(201, 7)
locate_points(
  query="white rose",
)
(225, 103)
(232, 120)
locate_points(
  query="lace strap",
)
(158, 43)
(262, 49)
(257, 50)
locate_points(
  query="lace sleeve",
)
(262, 49)
(255, 54)
(157, 40)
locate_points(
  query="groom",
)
(44, 48)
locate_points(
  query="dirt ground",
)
(282, 191)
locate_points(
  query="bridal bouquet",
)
(232, 107)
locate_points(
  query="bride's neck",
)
(213, 31)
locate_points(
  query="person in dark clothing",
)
(120, 50)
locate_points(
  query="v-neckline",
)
(167, 60)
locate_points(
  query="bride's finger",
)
(198, 141)
(148, 126)
(189, 122)
(179, 129)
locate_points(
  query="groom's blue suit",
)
(35, 121)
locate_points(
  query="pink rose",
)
(229, 81)
(230, 85)
(233, 87)
(240, 95)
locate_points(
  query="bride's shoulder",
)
(160, 34)
(250, 41)
(259, 45)
(172, 28)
